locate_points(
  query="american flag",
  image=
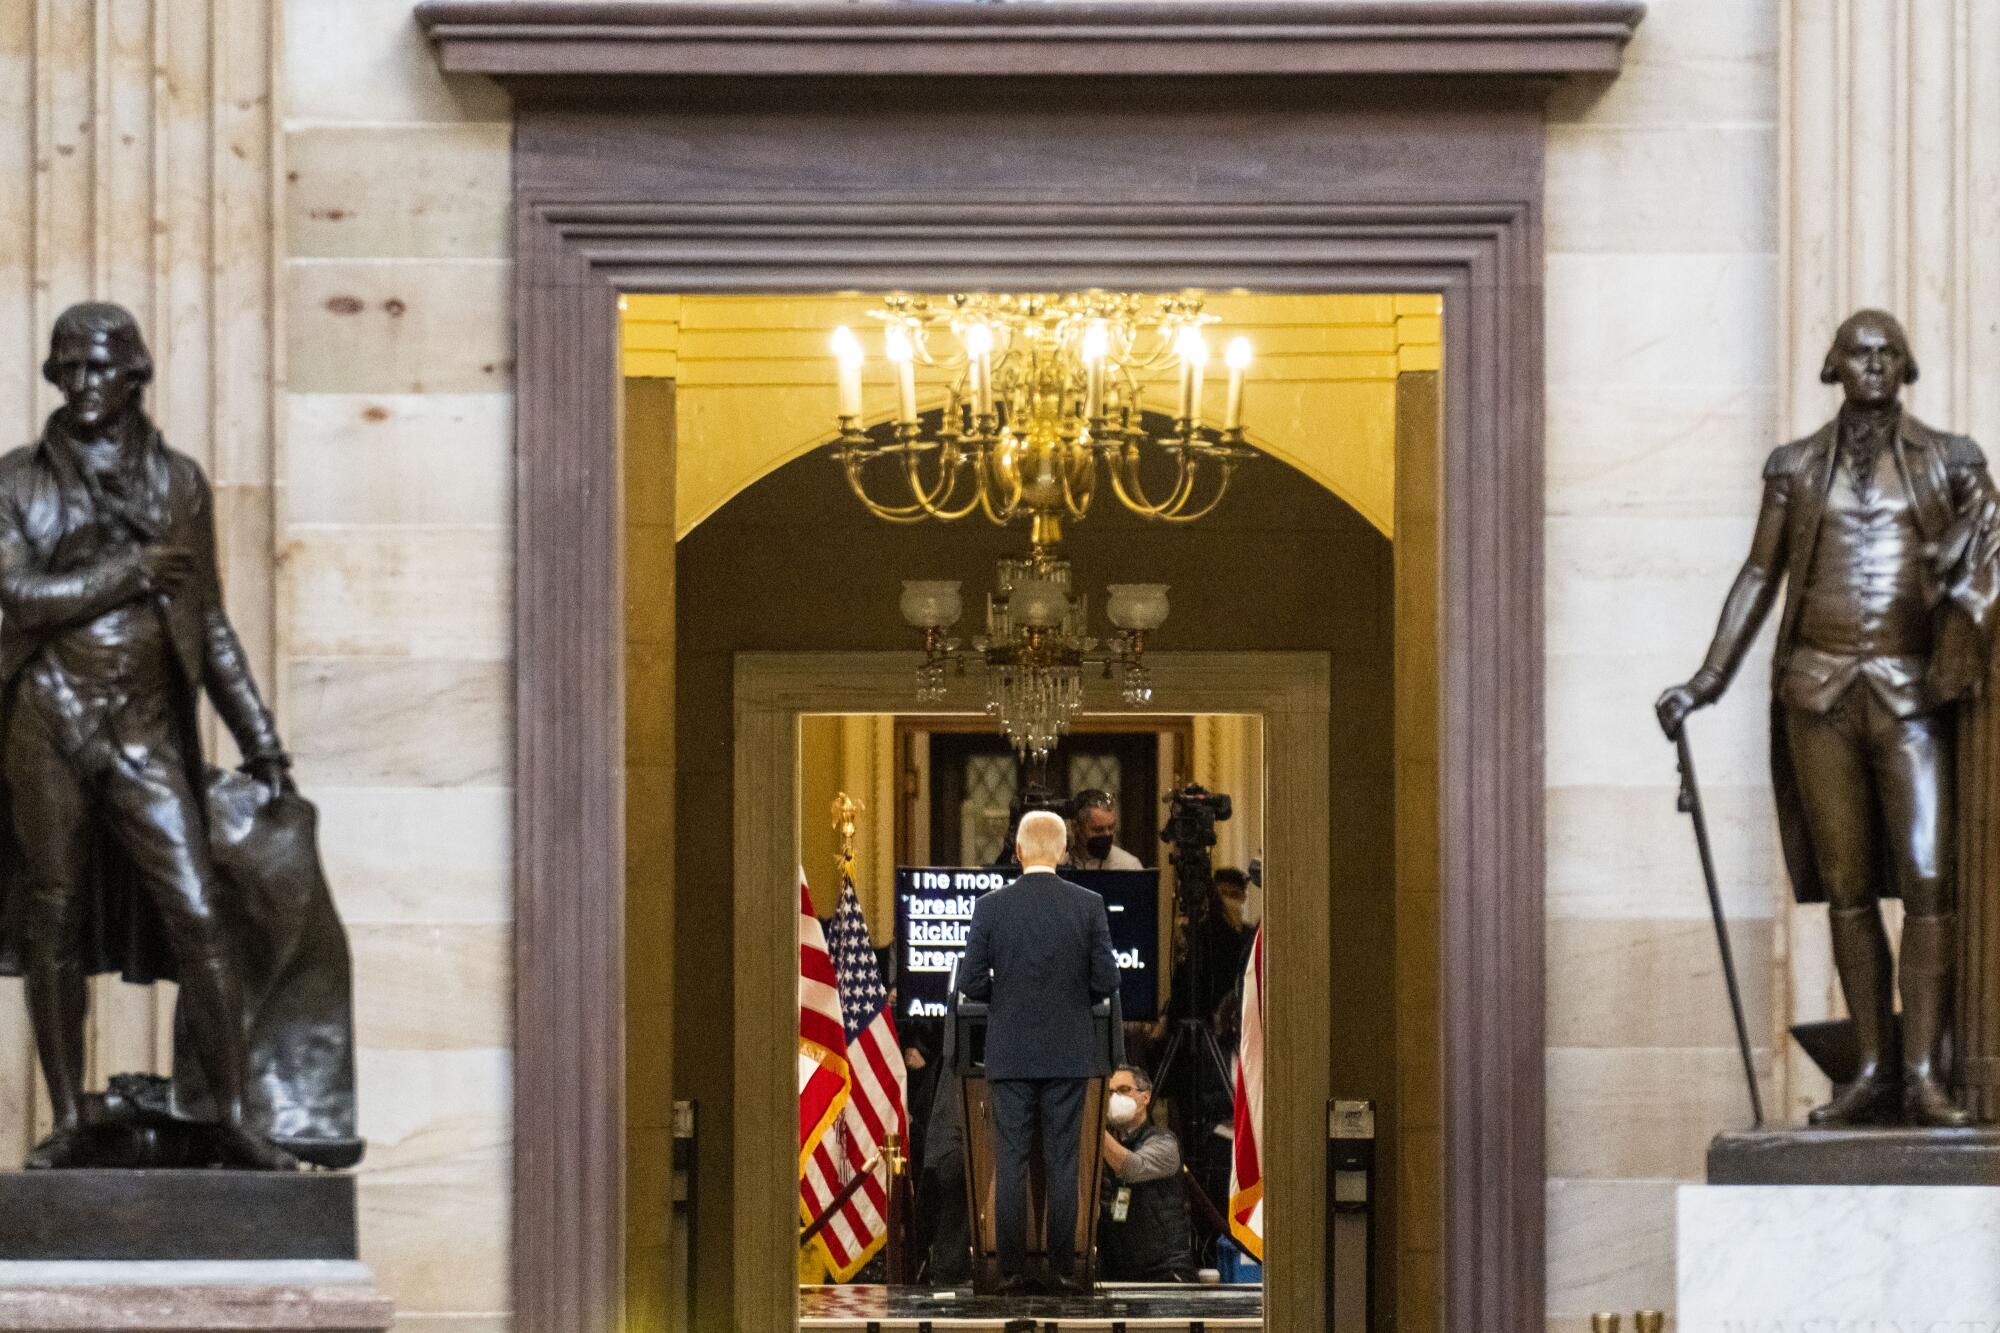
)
(822, 1039)
(1246, 1174)
(875, 1104)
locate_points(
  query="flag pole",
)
(840, 1198)
(1690, 804)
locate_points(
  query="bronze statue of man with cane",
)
(1888, 535)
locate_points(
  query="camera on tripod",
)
(1034, 796)
(1193, 812)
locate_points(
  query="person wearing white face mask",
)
(1142, 1233)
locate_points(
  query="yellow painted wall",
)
(853, 753)
(755, 383)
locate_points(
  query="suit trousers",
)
(1019, 1105)
(130, 780)
(1877, 794)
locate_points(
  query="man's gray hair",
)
(1042, 837)
(1141, 1081)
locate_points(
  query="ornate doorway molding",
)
(1332, 145)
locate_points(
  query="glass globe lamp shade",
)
(931, 603)
(1137, 606)
(1037, 604)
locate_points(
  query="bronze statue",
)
(120, 850)
(1885, 531)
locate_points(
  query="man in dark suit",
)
(1039, 953)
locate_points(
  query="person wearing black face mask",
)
(1096, 834)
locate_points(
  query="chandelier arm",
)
(986, 478)
(1131, 491)
(1228, 467)
(887, 513)
(937, 502)
(1077, 503)
(998, 517)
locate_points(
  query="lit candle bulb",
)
(1096, 345)
(902, 355)
(979, 352)
(847, 354)
(1194, 363)
(1238, 358)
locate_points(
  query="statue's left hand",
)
(274, 771)
(1966, 541)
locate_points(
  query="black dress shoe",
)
(1068, 1286)
(1926, 1103)
(1020, 1285)
(1872, 1099)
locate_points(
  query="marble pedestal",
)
(282, 1296)
(1838, 1259)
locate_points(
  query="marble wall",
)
(385, 524)
(1662, 332)
(394, 635)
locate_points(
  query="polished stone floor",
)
(1113, 1308)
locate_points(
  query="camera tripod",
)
(1192, 1032)
(1192, 1038)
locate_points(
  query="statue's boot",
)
(63, 1148)
(1928, 942)
(58, 1002)
(1861, 955)
(213, 986)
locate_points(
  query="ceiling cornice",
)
(545, 44)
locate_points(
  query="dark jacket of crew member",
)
(1143, 1234)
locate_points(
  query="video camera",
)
(1193, 812)
(1034, 796)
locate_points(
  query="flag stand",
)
(892, 1157)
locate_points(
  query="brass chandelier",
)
(1042, 390)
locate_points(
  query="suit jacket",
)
(1948, 484)
(50, 580)
(1039, 953)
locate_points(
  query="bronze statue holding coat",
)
(120, 849)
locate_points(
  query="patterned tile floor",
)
(1111, 1309)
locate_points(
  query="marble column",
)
(1890, 196)
(137, 164)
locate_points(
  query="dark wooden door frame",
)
(726, 178)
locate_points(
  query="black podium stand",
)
(965, 1056)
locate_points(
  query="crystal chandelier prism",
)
(1036, 646)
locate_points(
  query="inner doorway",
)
(1280, 698)
(941, 811)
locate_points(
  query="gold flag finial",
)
(845, 808)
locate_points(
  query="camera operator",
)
(1093, 844)
(1142, 1231)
